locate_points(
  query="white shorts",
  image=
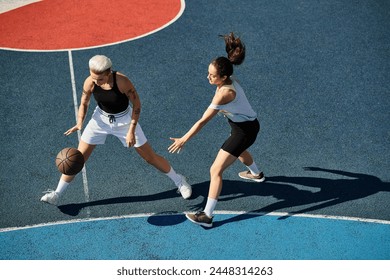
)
(103, 124)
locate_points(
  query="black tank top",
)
(111, 101)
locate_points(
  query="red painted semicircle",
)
(73, 24)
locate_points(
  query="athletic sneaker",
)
(50, 197)
(200, 218)
(184, 188)
(248, 176)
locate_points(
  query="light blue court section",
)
(171, 236)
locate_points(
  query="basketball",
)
(70, 161)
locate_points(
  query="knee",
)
(215, 170)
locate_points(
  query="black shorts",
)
(242, 136)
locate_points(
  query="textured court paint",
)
(320, 86)
(163, 237)
(71, 24)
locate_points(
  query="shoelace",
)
(199, 213)
(48, 191)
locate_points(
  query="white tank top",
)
(238, 110)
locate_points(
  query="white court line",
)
(144, 215)
(281, 214)
(76, 106)
(8, 5)
(84, 174)
(182, 8)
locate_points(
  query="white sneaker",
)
(50, 197)
(248, 176)
(184, 188)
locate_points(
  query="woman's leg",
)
(53, 196)
(161, 164)
(246, 158)
(148, 154)
(221, 162)
(253, 172)
(86, 149)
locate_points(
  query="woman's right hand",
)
(71, 130)
(177, 145)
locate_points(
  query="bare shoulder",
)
(122, 78)
(88, 85)
(120, 75)
(224, 95)
(126, 86)
(123, 82)
(226, 91)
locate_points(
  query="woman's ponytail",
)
(235, 49)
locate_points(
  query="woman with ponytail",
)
(230, 101)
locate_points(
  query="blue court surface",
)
(170, 237)
(317, 73)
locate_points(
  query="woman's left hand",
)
(177, 145)
(130, 139)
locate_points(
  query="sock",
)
(62, 185)
(210, 206)
(176, 178)
(253, 169)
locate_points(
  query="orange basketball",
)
(70, 161)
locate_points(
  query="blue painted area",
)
(234, 237)
(317, 73)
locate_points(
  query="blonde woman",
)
(114, 115)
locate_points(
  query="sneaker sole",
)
(256, 180)
(201, 224)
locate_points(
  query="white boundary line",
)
(143, 215)
(85, 181)
(76, 106)
(9, 5)
(182, 8)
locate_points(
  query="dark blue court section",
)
(317, 72)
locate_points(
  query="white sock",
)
(62, 185)
(253, 169)
(176, 178)
(210, 206)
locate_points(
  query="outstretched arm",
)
(221, 97)
(178, 143)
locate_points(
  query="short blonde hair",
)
(99, 63)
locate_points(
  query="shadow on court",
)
(326, 193)
(73, 209)
(331, 192)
